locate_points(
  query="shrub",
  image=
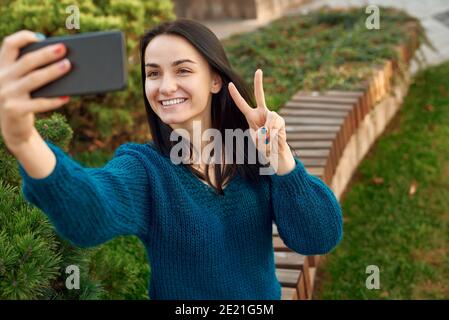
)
(33, 258)
(97, 120)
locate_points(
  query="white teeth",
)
(172, 102)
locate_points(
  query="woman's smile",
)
(172, 103)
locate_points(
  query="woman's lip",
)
(160, 101)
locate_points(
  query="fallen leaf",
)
(430, 108)
(378, 180)
(98, 143)
(89, 133)
(412, 189)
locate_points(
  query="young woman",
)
(207, 227)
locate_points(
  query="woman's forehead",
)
(170, 48)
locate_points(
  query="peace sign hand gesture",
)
(269, 125)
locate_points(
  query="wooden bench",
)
(294, 271)
(321, 127)
(318, 128)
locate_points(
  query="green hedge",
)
(100, 119)
(33, 258)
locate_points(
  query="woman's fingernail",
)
(39, 36)
(263, 130)
(64, 98)
(267, 140)
(63, 64)
(59, 48)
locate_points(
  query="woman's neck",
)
(193, 132)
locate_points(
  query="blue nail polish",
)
(39, 36)
(263, 130)
(266, 141)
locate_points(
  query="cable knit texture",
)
(200, 245)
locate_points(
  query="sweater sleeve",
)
(89, 206)
(306, 212)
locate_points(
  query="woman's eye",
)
(183, 71)
(152, 74)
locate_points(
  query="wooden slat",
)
(311, 129)
(314, 136)
(313, 153)
(314, 120)
(317, 106)
(295, 261)
(318, 172)
(314, 162)
(289, 260)
(288, 293)
(292, 279)
(318, 167)
(288, 278)
(324, 98)
(313, 261)
(279, 245)
(327, 144)
(312, 113)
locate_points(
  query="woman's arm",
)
(87, 206)
(306, 212)
(35, 156)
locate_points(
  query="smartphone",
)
(98, 64)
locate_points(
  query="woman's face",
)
(179, 82)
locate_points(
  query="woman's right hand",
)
(19, 77)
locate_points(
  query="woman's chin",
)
(174, 119)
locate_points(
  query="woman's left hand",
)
(269, 125)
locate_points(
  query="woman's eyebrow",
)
(175, 63)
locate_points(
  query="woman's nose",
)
(168, 85)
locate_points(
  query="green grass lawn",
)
(404, 233)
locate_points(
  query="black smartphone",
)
(98, 64)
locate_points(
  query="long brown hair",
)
(225, 114)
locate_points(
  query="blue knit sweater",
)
(200, 245)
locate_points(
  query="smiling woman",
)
(185, 60)
(178, 88)
(209, 241)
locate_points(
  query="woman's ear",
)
(217, 83)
